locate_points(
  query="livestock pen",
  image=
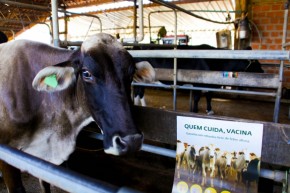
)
(153, 168)
(160, 127)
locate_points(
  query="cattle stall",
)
(160, 138)
(264, 80)
(159, 127)
(141, 172)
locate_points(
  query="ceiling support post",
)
(55, 27)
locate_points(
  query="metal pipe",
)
(159, 150)
(279, 90)
(70, 43)
(152, 85)
(259, 33)
(149, 19)
(228, 91)
(164, 11)
(272, 94)
(173, 6)
(288, 181)
(216, 11)
(83, 14)
(275, 175)
(141, 21)
(135, 20)
(174, 83)
(66, 27)
(175, 65)
(140, 36)
(214, 54)
(55, 27)
(65, 179)
(149, 25)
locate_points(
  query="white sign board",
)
(217, 156)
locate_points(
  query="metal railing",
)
(218, 54)
(58, 176)
(214, 54)
(275, 175)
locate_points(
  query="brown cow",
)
(48, 94)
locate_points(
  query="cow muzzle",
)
(125, 145)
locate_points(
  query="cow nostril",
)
(121, 144)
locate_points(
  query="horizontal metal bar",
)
(243, 79)
(215, 54)
(65, 179)
(275, 175)
(70, 43)
(152, 85)
(145, 147)
(228, 91)
(272, 94)
(158, 150)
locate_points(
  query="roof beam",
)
(175, 7)
(25, 5)
(95, 2)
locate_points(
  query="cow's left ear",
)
(54, 78)
(144, 72)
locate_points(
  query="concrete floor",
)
(244, 107)
(234, 107)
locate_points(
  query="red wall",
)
(269, 18)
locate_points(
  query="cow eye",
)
(87, 75)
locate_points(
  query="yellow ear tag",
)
(51, 81)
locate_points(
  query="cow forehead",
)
(100, 38)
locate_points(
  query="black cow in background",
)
(234, 65)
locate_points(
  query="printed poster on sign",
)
(217, 156)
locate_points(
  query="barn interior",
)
(191, 22)
(78, 19)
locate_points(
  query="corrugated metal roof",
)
(23, 14)
(122, 21)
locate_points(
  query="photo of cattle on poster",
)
(217, 156)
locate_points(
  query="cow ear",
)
(144, 72)
(54, 78)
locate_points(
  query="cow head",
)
(106, 70)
